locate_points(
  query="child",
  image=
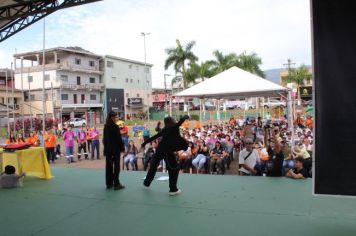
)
(9, 179)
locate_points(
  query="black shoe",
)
(118, 187)
(146, 184)
(109, 187)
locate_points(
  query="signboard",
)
(306, 92)
(134, 101)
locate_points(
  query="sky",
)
(274, 29)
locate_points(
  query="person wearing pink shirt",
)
(68, 138)
(94, 135)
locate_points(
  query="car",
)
(273, 103)
(209, 106)
(76, 122)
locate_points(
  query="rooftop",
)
(127, 60)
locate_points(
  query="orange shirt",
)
(8, 141)
(185, 124)
(309, 123)
(50, 140)
(88, 135)
(20, 141)
(197, 124)
(32, 140)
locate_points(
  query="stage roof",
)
(16, 15)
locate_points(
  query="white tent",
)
(234, 83)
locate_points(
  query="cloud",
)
(274, 29)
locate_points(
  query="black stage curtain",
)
(334, 42)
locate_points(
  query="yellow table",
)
(32, 161)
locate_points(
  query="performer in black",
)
(171, 142)
(113, 147)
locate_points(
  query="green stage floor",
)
(76, 202)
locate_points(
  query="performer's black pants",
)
(112, 170)
(172, 167)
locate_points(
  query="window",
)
(30, 78)
(131, 80)
(130, 66)
(92, 80)
(147, 70)
(92, 97)
(138, 95)
(127, 94)
(110, 64)
(46, 96)
(78, 80)
(138, 81)
(92, 63)
(77, 61)
(58, 60)
(32, 97)
(64, 78)
(47, 77)
(63, 97)
(127, 80)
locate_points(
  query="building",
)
(8, 99)
(128, 86)
(73, 83)
(161, 98)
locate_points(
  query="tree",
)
(201, 71)
(180, 56)
(223, 62)
(248, 62)
(251, 63)
(298, 76)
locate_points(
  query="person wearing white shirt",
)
(248, 158)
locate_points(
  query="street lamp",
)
(165, 91)
(145, 71)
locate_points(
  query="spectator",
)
(131, 156)
(68, 138)
(298, 172)
(95, 145)
(88, 138)
(33, 139)
(9, 179)
(275, 154)
(20, 138)
(11, 139)
(185, 157)
(50, 143)
(82, 143)
(202, 155)
(149, 154)
(217, 156)
(248, 159)
(309, 122)
(124, 130)
(288, 159)
(146, 133)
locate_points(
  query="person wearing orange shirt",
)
(32, 139)
(185, 124)
(197, 124)
(309, 122)
(50, 143)
(20, 138)
(11, 139)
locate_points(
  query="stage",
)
(76, 202)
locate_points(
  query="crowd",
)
(261, 148)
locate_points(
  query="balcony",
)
(60, 66)
(88, 87)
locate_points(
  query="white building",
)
(72, 82)
(128, 86)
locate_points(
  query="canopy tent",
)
(237, 83)
(234, 83)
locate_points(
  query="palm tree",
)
(201, 71)
(251, 63)
(180, 57)
(223, 62)
(298, 76)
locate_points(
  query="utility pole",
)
(165, 93)
(145, 71)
